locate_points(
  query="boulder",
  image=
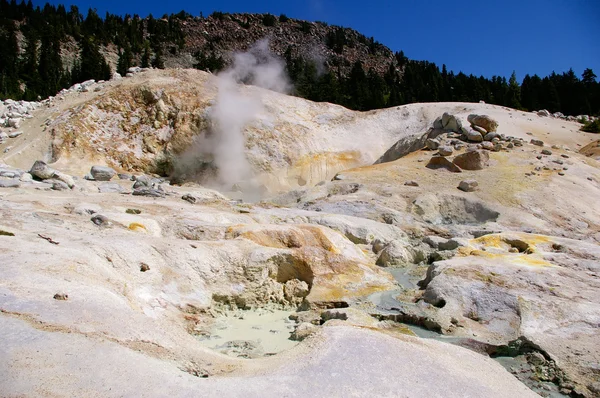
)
(483, 121)
(440, 162)
(303, 330)
(15, 134)
(472, 160)
(450, 122)
(26, 177)
(445, 150)
(468, 185)
(41, 170)
(102, 173)
(471, 135)
(396, 253)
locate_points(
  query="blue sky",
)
(488, 37)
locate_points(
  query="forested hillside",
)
(45, 49)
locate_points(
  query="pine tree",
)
(146, 55)
(50, 67)
(514, 92)
(93, 64)
(158, 61)
(125, 60)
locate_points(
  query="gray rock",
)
(396, 254)
(110, 187)
(491, 136)
(445, 150)
(41, 170)
(67, 179)
(481, 130)
(10, 183)
(483, 121)
(432, 144)
(58, 185)
(546, 152)
(487, 145)
(439, 243)
(155, 193)
(468, 185)
(14, 122)
(537, 142)
(142, 181)
(450, 122)
(15, 134)
(473, 160)
(26, 177)
(102, 173)
(100, 220)
(471, 135)
(123, 176)
(544, 113)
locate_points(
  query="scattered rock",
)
(102, 173)
(61, 296)
(445, 150)
(483, 121)
(546, 152)
(468, 185)
(41, 170)
(440, 162)
(15, 134)
(133, 211)
(110, 187)
(142, 181)
(473, 160)
(471, 135)
(67, 179)
(432, 144)
(100, 220)
(124, 176)
(487, 145)
(154, 193)
(58, 185)
(26, 177)
(411, 183)
(490, 136)
(192, 199)
(544, 113)
(537, 142)
(144, 267)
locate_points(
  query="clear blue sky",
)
(484, 37)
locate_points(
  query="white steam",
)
(235, 108)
